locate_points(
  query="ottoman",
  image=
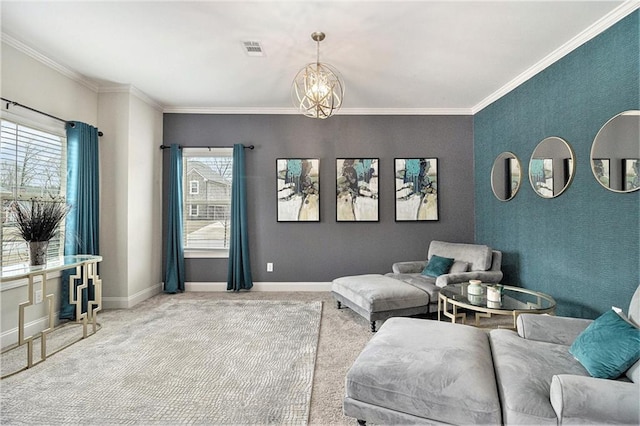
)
(417, 371)
(378, 297)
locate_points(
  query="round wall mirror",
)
(551, 167)
(615, 153)
(506, 175)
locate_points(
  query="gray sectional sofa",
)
(417, 371)
(406, 291)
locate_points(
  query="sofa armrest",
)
(462, 277)
(587, 400)
(552, 329)
(411, 267)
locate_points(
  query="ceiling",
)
(408, 57)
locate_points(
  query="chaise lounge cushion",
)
(377, 293)
(424, 283)
(434, 370)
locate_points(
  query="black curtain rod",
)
(180, 147)
(14, 103)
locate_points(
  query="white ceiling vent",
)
(252, 48)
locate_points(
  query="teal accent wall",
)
(583, 246)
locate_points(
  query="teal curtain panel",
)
(174, 267)
(82, 223)
(239, 273)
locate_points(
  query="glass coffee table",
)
(514, 301)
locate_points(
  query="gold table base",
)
(85, 271)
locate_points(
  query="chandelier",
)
(317, 90)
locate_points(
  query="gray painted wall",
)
(322, 251)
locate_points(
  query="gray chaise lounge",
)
(406, 292)
(427, 372)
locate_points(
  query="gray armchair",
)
(472, 262)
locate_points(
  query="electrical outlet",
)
(269, 267)
(38, 296)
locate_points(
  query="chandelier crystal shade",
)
(317, 90)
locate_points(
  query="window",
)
(32, 164)
(207, 225)
(194, 187)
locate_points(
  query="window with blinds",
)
(32, 164)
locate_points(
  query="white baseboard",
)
(131, 301)
(10, 337)
(261, 286)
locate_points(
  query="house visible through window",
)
(207, 224)
(32, 164)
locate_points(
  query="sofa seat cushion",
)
(378, 293)
(428, 369)
(524, 369)
(423, 282)
(478, 256)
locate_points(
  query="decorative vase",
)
(494, 294)
(38, 252)
(474, 287)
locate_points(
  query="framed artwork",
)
(630, 174)
(298, 188)
(416, 189)
(541, 174)
(601, 170)
(357, 190)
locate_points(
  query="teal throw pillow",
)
(608, 346)
(437, 266)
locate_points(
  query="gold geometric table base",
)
(86, 271)
(544, 304)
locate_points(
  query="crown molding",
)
(594, 30)
(67, 72)
(343, 111)
(220, 110)
(134, 91)
(404, 111)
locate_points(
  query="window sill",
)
(206, 254)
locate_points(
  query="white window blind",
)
(33, 164)
(208, 224)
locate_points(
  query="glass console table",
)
(514, 301)
(86, 273)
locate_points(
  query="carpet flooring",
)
(343, 335)
(178, 360)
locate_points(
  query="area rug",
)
(178, 361)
